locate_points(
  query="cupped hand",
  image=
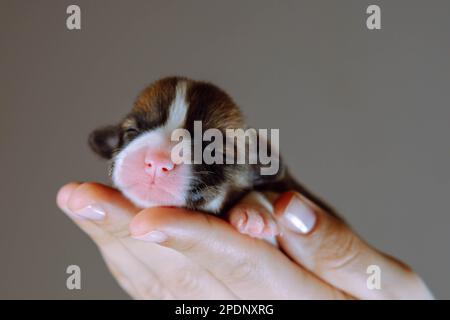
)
(172, 253)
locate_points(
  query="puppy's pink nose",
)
(158, 164)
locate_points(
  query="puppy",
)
(140, 148)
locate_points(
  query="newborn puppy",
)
(142, 168)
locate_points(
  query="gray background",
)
(364, 115)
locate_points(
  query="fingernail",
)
(298, 216)
(152, 236)
(92, 212)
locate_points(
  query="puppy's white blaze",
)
(158, 138)
(178, 109)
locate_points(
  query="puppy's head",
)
(140, 146)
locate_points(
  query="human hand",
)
(162, 253)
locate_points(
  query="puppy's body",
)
(140, 145)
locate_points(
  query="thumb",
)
(326, 245)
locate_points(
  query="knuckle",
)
(195, 243)
(189, 245)
(339, 248)
(187, 280)
(103, 240)
(152, 290)
(242, 271)
(118, 231)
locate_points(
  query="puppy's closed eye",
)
(130, 133)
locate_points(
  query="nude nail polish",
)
(298, 216)
(91, 212)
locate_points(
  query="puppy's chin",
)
(137, 187)
(145, 196)
(145, 174)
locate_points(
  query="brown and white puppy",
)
(141, 167)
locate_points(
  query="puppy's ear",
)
(105, 140)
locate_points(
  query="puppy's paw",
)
(254, 221)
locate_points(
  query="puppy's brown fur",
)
(215, 109)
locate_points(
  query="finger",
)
(122, 280)
(325, 245)
(251, 268)
(149, 277)
(99, 210)
(186, 279)
(134, 276)
(106, 228)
